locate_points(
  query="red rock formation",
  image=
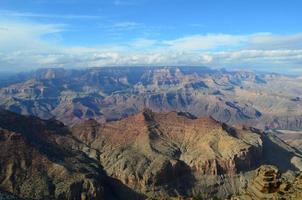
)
(150, 149)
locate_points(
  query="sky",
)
(260, 35)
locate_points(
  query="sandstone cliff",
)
(267, 183)
(147, 155)
(171, 153)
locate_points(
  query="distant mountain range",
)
(105, 94)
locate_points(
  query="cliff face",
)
(114, 93)
(175, 153)
(146, 155)
(35, 166)
(267, 183)
(150, 151)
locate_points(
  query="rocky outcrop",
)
(268, 184)
(177, 154)
(35, 164)
(153, 151)
(147, 155)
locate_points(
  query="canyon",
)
(150, 133)
(146, 155)
(263, 100)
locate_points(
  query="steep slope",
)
(147, 155)
(171, 154)
(35, 164)
(291, 137)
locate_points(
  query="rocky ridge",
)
(172, 154)
(146, 155)
(267, 183)
(40, 159)
(106, 94)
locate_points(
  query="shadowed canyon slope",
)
(41, 160)
(145, 155)
(263, 100)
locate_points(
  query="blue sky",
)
(235, 34)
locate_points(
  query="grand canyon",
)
(150, 100)
(150, 133)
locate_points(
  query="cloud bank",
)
(26, 45)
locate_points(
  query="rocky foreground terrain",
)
(105, 94)
(148, 155)
(35, 164)
(267, 183)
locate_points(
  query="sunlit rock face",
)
(168, 152)
(267, 183)
(149, 154)
(107, 94)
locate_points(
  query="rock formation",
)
(35, 164)
(146, 155)
(268, 184)
(113, 93)
(164, 152)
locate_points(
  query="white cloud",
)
(23, 46)
(26, 36)
(204, 42)
(266, 41)
(270, 41)
(258, 56)
(17, 14)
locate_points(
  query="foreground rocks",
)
(35, 166)
(177, 154)
(147, 155)
(40, 160)
(268, 184)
